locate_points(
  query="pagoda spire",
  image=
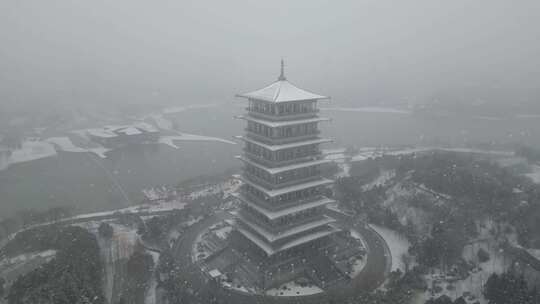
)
(282, 75)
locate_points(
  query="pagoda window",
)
(298, 195)
(299, 130)
(306, 107)
(298, 216)
(250, 190)
(298, 174)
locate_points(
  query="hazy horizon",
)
(359, 52)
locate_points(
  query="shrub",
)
(483, 256)
(106, 230)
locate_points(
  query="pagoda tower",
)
(283, 192)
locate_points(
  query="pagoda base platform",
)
(355, 260)
(244, 264)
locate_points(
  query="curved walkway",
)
(371, 276)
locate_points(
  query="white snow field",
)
(65, 144)
(169, 140)
(30, 150)
(36, 149)
(535, 174)
(293, 289)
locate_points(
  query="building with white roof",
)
(117, 135)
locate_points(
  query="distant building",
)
(114, 136)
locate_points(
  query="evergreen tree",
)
(2, 291)
(507, 288)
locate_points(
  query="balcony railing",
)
(280, 163)
(281, 140)
(271, 185)
(280, 227)
(289, 116)
(277, 206)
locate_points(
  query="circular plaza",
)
(209, 250)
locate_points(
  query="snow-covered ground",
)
(169, 140)
(344, 170)
(535, 253)
(158, 193)
(227, 187)
(36, 149)
(198, 251)
(397, 244)
(294, 289)
(33, 149)
(474, 283)
(26, 257)
(30, 150)
(437, 194)
(375, 152)
(223, 232)
(336, 207)
(457, 150)
(381, 180)
(12, 268)
(194, 220)
(237, 287)
(534, 174)
(366, 154)
(149, 207)
(337, 154)
(159, 206)
(357, 267)
(65, 144)
(397, 198)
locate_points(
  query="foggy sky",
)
(185, 52)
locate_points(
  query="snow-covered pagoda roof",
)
(284, 146)
(275, 236)
(285, 123)
(282, 91)
(284, 190)
(270, 250)
(274, 214)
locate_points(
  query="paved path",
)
(379, 259)
(182, 247)
(372, 275)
